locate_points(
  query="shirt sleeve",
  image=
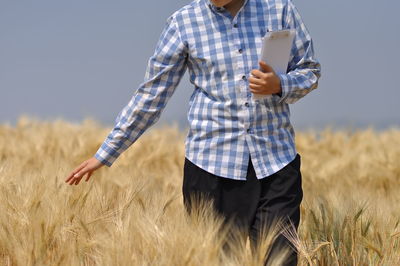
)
(164, 71)
(304, 70)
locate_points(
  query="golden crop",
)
(132, 213)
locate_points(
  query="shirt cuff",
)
(106, 154)
(285, 85)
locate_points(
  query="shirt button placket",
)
(239, 67)
(240, 70)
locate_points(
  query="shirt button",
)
(244, 77)
(248, 130)
(235, 25)
(246, 104)
(240, 50)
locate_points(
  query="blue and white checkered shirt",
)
(226, 124)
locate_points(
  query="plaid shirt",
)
(226, 124)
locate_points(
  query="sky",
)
(80, 59)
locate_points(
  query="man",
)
(240, 152)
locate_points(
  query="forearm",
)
(134, 119)
(164, 72)
(298, 83)
(304, 70)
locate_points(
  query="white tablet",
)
(275, 51)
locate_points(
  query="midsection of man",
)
(226, 124)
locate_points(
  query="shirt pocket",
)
(275, 26)
(210, 63)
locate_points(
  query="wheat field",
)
(132, 213)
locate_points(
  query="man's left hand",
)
(264, 81)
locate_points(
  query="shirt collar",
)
(220, 9)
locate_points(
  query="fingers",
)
(87, 167)
(259, 85)
(264, 80)
(258, 74)
(257, 89)
(75, 171)
(78, 176)
(257, 81)
(78, 179)
(89, 175)
(265, 67)
(263, 72)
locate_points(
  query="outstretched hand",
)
(85, 168)
(264, 81)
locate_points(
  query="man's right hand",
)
(87, 167)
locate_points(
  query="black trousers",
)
(252, 205)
